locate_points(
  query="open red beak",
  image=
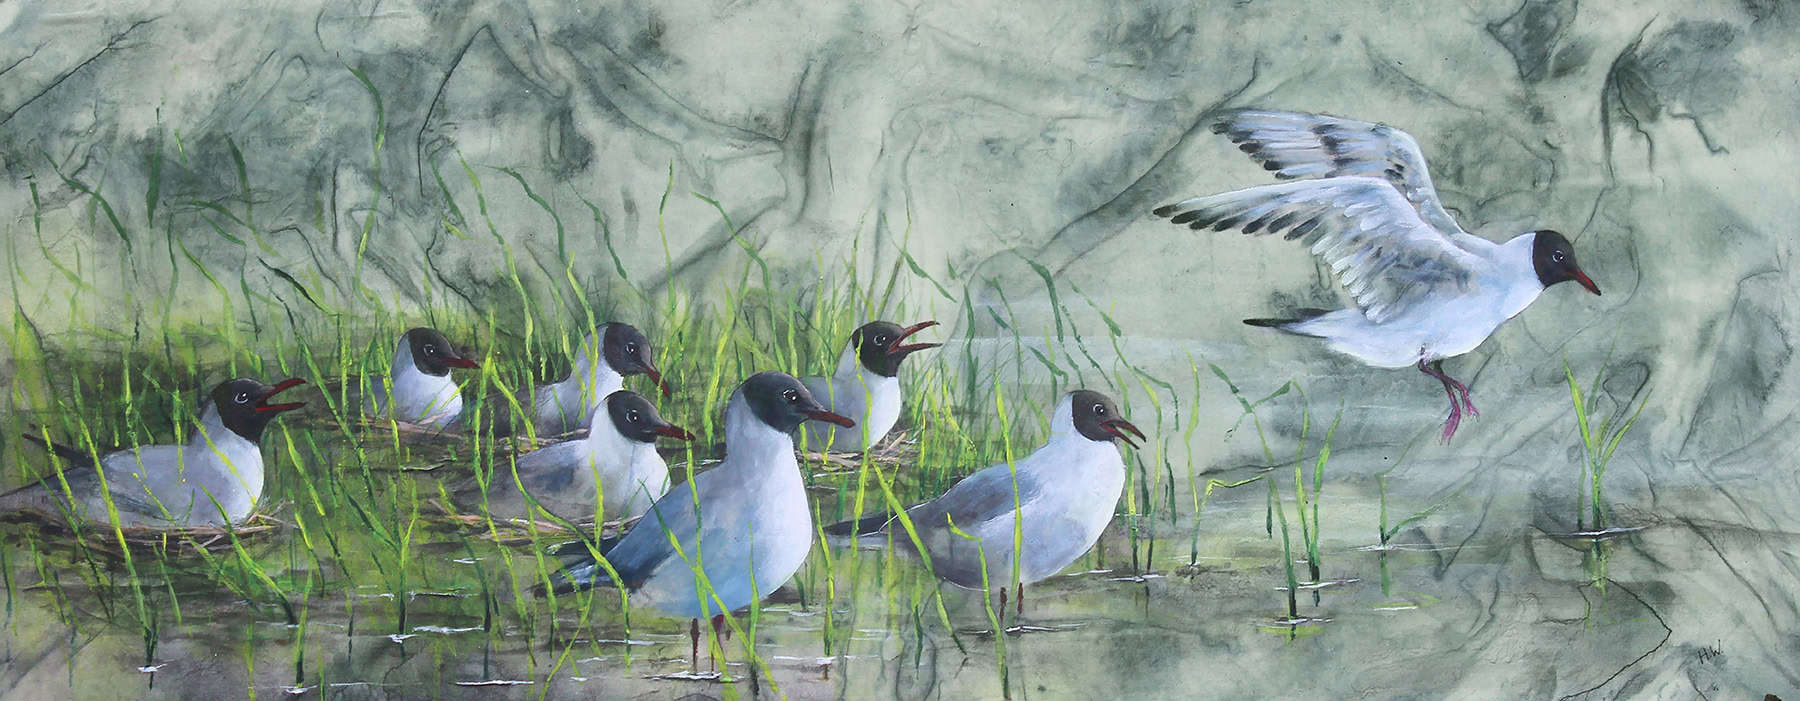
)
(828, 417)
(675, 432)
(897, 348)
(1119, 428)
(1582, 278)
(289, 383)
(657, 378)
(457, 361)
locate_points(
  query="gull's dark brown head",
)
(779, 400)
(880, 345)
(637, 419)
(1553, 257)
(628, 352)
(244, 407)
(432, 352)
(1097, 418)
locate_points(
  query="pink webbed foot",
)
(1454, 420)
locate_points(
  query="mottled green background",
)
(1660, 136)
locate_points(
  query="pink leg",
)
(1468, 404)
(1435, 369)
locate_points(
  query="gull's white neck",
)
(604, 439)
(1068, 449)
(849, 363)
(872, 399)
(754, 446)
(418, 395)
(592, 372)
(588, 384)
(1519, 277)
(226, 465)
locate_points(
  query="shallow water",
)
(1447, 609)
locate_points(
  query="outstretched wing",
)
(1386, 257)
(1302, 145)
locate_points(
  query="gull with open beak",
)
(865, 386)
(215, 479)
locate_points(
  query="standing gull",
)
(1059, 498)
(733, 534)
(1424, 289)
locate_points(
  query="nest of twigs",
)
(519, 531)
(898, 449)
(151, 540)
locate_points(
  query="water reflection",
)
(1540, 613)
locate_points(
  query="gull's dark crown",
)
(871, 342)
(237, 401)
(626, 349)
(430, 348)
(779, 400)
(1091, 410)
(1553, 258)
(634, 416)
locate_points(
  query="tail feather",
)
(29, 498)
(76, 458)
(40, 497)
(867, 525)
(579, 569)
(496, 416)
(1301, 315)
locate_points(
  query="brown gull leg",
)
(694, 642)
(722, 633)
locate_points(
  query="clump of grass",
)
(363, 530)
(1597, 443)
(1307, 493)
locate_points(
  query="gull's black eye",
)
(632, 416)
(792, 396)
(242, 397)
(631, 349)
(881, 340)
(1099, 409)
(1557, 256)
(430, 349)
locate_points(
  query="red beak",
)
(279, 386)
(1582, 278)
(657, 378)
(675, 432)
(1119, 427)
(828, 417)
(457, 361)
(897, 348)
